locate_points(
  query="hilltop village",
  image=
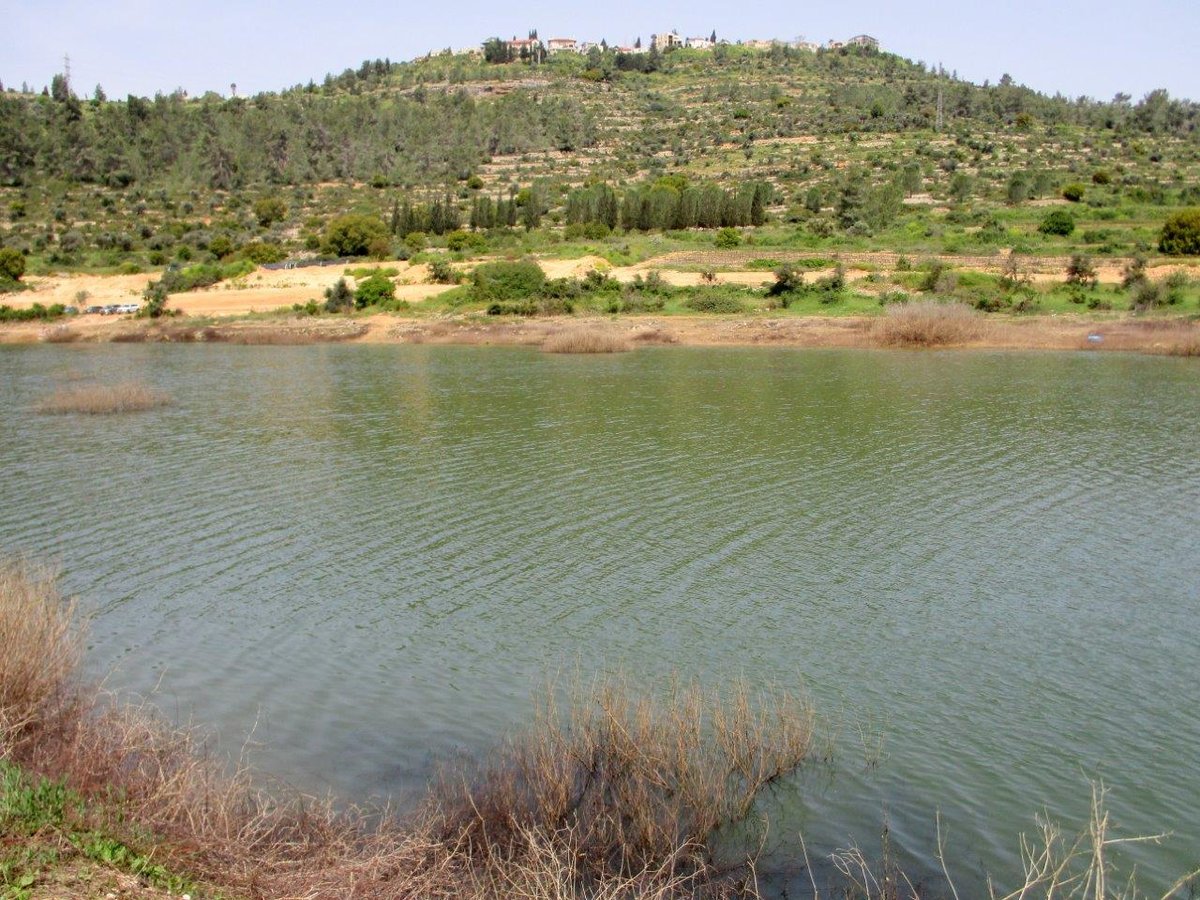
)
(533, 48)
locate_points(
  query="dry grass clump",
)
(619, 796)
(59, 334)
(631, 782)
(928, 323)
(586, 340)
(104, 399)
(1186, 345)
(624, 804)
(42, 648)
(652, 334)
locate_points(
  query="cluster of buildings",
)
(670, 40)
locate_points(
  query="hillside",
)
(831, 152)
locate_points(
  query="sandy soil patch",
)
(261, 291)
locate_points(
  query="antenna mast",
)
(941, 107)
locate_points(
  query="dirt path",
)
(266, 291)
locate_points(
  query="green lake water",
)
(369, 558)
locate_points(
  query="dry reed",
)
(41, 646)
(637, 782)
(626, 811)
(104, 399)
(619, 797)
(928, 323)
(586, 340)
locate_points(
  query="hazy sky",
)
(1098, 47)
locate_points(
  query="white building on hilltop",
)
(666, 41)
(863, 40)
(562, 45)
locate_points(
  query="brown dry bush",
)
(928, 323)
(653, 334)
(42, 648)
(627, 807)
(104, 399)
(59, 334)
(638, 784)
(585, 340)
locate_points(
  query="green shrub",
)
(262, 252)
(505, 280)
(441, 272)
(1180, 234)
(727, 238)
(1058, 222)
(708, 302)
(1081, 272)
(788, 280)
(36, 312)
(269, 210)
(339, 297)
(374, 291)
(12, 264)
(354, 235)
(1074, 192)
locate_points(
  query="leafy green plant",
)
(374, 291)
(508, 280)
(1057, 222)
(1180, 235)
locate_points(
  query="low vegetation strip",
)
(104, 399)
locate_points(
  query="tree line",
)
(293, 138)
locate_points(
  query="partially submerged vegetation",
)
(104, 399)
(618, 794)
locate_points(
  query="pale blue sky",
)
(1096, 48)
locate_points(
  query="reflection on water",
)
(372, 556)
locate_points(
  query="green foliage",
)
(1074, 191)
(788, 280)
(1081, 272)
(353, 235)
(269, 210)
(441, 272)
(1057, 222)
(12, 264)
(501, 281)
(728, 238)
(339, 297)
(714, 301)
(33, 313)
(378, 290)
(1180, 234)
(263, 252)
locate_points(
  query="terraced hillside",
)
(830, 153)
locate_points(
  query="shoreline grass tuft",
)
(585, 339)
(929, 323)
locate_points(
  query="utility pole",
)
(67, 69)
(941, 107)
